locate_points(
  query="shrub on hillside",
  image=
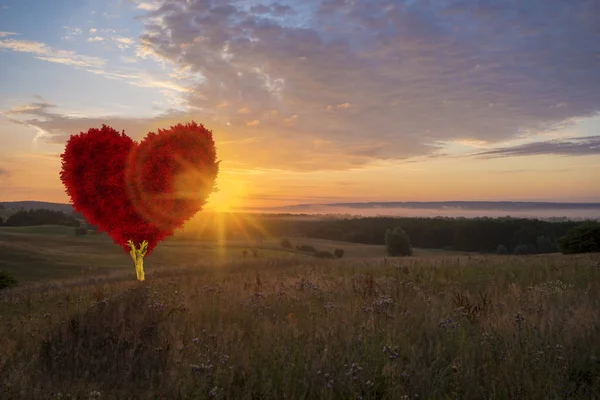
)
(522, 249)
(6, 280)
(306, 248)
(501, 249)
(397, 242)
(324, 254)
(584, 238)
(285, 243)
(339, 253)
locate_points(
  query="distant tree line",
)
(486, 235)
(462, 234)
(40, 217)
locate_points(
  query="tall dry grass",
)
(480, 327)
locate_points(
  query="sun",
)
(228, 197)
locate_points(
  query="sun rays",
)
(226, 228)
(229, 195)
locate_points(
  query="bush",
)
(306, 248)
(80, 231)
(522, 249)
(285, 243)
(6, 280)
(397, 242)
(339, 253)
(501, 249)
(584, 238)
(324, 254)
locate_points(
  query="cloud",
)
(55, 128)
(539, 171)
(410, 74)
(148, 5)
(145, 79)
(4, 34)
(44, 52)
(340, 84)
(96, 39)
(370, 151)
(27, 108)
(275, 9)
(291, 120)
(3, 173)
(72, 32)
(27, 115)
(123, 42)
(582, 146)
(262, 151)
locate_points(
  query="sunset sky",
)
(315, 101)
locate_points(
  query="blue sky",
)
(321, 99)
(91, 29)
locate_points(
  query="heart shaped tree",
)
(139, 194)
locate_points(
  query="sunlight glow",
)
(221, 238)
(229, 195)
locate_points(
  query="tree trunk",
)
(138, 258)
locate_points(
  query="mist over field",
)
(457, 209)
(545, 211)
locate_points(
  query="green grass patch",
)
(39, 230)
(47, 252)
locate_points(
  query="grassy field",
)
(54, 252)
(33, 253)
(434, 326)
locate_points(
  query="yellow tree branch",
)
(138, 257)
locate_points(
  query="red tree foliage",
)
(140, 192)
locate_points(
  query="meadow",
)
(33, 253)
(209, 324)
